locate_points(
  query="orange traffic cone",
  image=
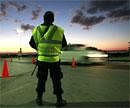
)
(73, 63)
(5, 72)
(33, 60)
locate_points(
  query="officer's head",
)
(49, 17)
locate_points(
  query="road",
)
(94, 86)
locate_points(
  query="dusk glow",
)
(102, 28)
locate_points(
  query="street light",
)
(19, 31)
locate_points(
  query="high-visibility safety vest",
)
(48, 46)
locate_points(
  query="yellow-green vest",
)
(48, 46)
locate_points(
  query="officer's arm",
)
(32, 43)
(64, 42)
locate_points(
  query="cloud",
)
(3, 7)
(19, 7)
(105, 5)
(26, 27)
(114, 9)
(17, 21)
(119, 14)
(36, 13)
(86, 21)
(96, 11)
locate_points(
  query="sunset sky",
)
(98, 23)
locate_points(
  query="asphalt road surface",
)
(94, 86)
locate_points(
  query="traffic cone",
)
(33, 60)
(73, 63)
(5, 72)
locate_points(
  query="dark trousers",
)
(55, 74)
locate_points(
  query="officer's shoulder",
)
(59, 27)
(34, 30)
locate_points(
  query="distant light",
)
(97, 55)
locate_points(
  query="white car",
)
(82, 54)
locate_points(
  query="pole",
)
(34, 70)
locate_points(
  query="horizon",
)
(102, 27)
(10, 52)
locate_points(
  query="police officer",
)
(48, 39)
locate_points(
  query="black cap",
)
(49, 17)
